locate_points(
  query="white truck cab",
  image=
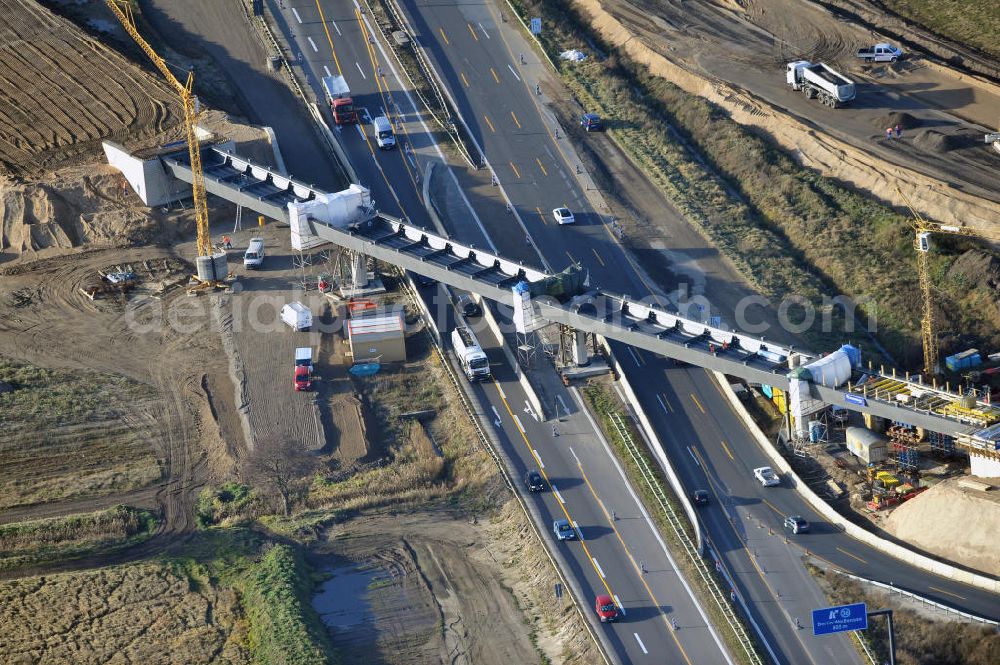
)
(254, 256)
(383, 133)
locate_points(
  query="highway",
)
(703, 436)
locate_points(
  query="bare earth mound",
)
(64, 91)
(936, 521)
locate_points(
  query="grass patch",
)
(227, 505)
(66, 434)
(919, 640)
(975, 23)
(27, 543)
(791, 232)
(603, 403)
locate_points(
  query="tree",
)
(282, 467)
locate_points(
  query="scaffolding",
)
(903, 442)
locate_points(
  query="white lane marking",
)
(621, 608)
(538, 457)
(598, 566)
(555, 490)
(313, 44)
(327, 70)
(334, 24)
(693, 456)
(573, 453)
(562, 404)
(529, 410)
(361, 133)
(663, 405)
(641, 645)
(513, 72)
(502, 393)
(360, 70)
(484, 31)
(519, 425)
(297, 17)
(577, 528)
(635, 357)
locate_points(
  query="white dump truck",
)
(819, 81)
(471, 356)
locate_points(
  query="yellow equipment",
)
(922, 244)
(123, 11)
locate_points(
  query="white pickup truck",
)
(880, 53)
(766, 476)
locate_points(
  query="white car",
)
(766, 476)
(563, 216)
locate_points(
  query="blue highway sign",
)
(838, 619)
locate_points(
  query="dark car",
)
(700, 497)
(534, 481)
(591, 122)
(468, 307)
(796, 524)
(423, 280)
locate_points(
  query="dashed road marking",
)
(502, 393)
(360, 70)
(599, 259)
(516, 121)
(555, 490)
(598, 566)
(513, 72)
(464, 80)
(542, 167)
(573, 453)
(853, 556)
(934, 588)
(641, 645)
(516, 172)
(697, 403)
(297, 17)
(691, 452)
(664, 404)
(444, 36)
(313, 44)
(334, 24)
(621, 608)
(562, 404)
(490, 123)
(728, 452)
(495, 76)
(327, 70)
(538, 457)
(472, 31)
(518, 421)
(484, 31)
(635, 357)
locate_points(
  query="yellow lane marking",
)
(562, 505)
(697, 403)
(728, 452)
(773, 507)
(472, 32)
(516, 121)
(495, 77)
(540, 215)
(853, 556)
(516, 172)
(322, 19)
(443, 36)
(541, 166)
(934, 588)
(464, 80)
(492, 128)
(597, 255)
(635, 566)
(666, 402)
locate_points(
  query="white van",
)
(254, 256)
(383, 133)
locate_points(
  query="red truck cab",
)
(605, 608)
(339, 96)
(302, 380)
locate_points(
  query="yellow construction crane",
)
(123, 10)
(922, 244)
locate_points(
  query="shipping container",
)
(866, 445)
(965, 360)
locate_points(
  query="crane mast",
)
(123, 11)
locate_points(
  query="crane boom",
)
(123, 11)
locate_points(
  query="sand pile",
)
(957, 524)
(901, 118)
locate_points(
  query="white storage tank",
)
(832, 370)
(866, 445)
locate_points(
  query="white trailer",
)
(819, 81)
(297, 316)
(471, 356)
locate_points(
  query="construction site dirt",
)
(735, 55)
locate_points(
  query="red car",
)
(302, 379)
(605, 608)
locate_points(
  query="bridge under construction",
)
(349, 220)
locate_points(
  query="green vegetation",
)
(27, 543)
(230, 503)
(919, 640)
(274, 585)
(603, 403)
(66, 433)
(975, 23)
(791, 232)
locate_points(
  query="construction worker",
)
(227, 242)
(898, 131)
(888, 134)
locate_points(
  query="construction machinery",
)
(211, 266)
(922, 244)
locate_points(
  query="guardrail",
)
(917, 597)
(681, 533)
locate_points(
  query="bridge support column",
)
(581, 354)
(359, 271)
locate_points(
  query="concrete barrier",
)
(654, 442)
(883, 545)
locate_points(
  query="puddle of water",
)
(342, 600)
